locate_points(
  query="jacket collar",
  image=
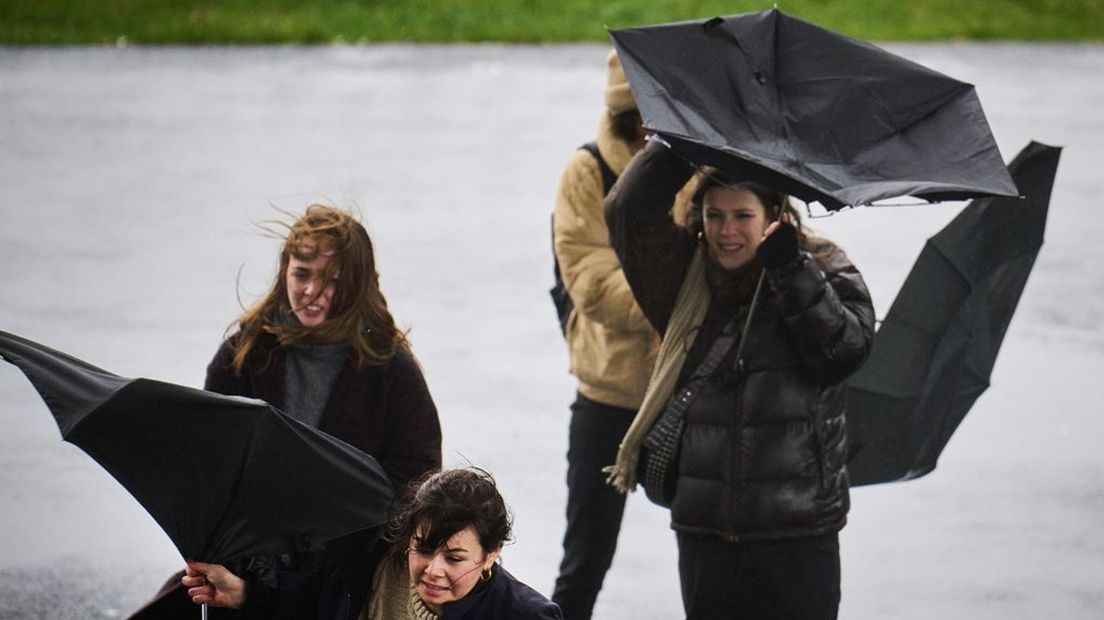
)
(472, 601)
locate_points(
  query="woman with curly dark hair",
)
(447, 539)
(439, 560)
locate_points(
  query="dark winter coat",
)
(763, 453)
(342, 587)
(502, 598)
(385, 411)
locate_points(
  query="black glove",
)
(779, 248)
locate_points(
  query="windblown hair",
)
(776, 202)
(448, 502)
(358, 312)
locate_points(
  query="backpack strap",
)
(560, 297)
(608, 176)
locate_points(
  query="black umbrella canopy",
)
(935, 351)
(770, 97)
(225, 477)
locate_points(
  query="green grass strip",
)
(96, 22)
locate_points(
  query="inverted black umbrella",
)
(773, 98)
(226, 477)
(934, 353)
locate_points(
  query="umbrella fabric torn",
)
(935, 351)
(225, 477)
(770, 97)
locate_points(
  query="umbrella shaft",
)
(203, 611)
(747, 321)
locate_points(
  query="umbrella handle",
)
(203, 611)
(747, 321)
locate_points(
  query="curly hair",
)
(358, 312)
(447, 502)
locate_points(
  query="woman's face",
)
(733, 222)
(310, 297)
(451, 571)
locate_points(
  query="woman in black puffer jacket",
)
(762, 488)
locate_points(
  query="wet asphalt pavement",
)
(130, 181)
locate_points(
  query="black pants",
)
(795, 579)
(594, 508)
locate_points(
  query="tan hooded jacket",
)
(611, 345)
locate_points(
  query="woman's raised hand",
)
(779, 246)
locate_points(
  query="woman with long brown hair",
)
(322, 346)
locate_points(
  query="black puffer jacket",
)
(763, 454)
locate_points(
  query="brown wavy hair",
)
(358, 312)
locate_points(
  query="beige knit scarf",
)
(689, 312)
(394, 596)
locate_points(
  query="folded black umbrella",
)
(934, 353)
(225, 477)
(770, 97)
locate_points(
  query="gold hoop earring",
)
(485, 575)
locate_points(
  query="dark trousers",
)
(795, 579)
(594, 508)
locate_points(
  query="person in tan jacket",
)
(612, 347)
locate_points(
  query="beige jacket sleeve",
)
(590, 269)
